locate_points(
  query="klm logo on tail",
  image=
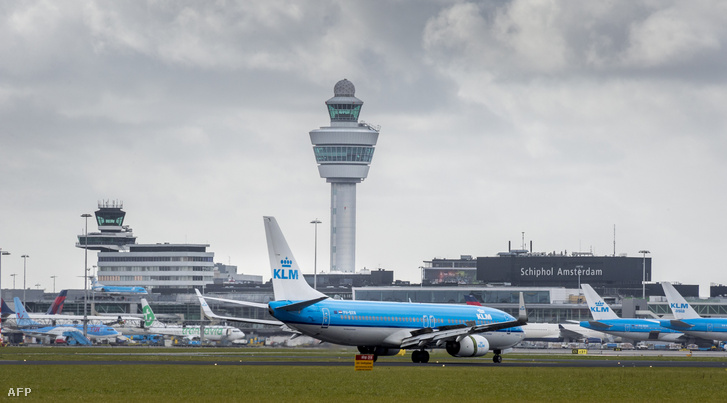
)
(600, 306)
(282, 274)
(679, 307)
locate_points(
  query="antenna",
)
(614, 240)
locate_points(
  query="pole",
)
(13, 276)
(2, 253)
(85, 278)
(315, 254)
(25, 258)
(54, 283)
(643, 278)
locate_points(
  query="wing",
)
(208, 311)
(437, 337)
(233, 301)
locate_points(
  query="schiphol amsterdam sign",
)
(559, 272)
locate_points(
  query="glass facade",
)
(343, 153)
(106, 217)
(344, 112)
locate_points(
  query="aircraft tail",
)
(598, 307)
(472, 300)
(149, 318)
(21, 315)
(288, 281)
(5, 310)
(679, 306)
(57, 307)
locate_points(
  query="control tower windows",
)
(343, 154)
(344, 112)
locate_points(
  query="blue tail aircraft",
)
(114, 289)
(605, 320)
(687, 320)
(384, 328)
(61, 332)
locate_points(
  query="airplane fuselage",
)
(635, 329)
(387, 324)
(213, 333)
(705, 328)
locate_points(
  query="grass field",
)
(434, 382)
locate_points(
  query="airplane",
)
(551, 332)
(54, 313)
(687, 320)
(606, 321)
(108, 289)
(151, 325)
(384, 328)
(30, 327)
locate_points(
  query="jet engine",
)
(469, 346)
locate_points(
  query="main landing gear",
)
(420, 356)
(497, 358)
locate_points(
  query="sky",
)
(573, 125)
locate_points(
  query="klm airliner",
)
(113, 289)
(605, 320)
(687, 320)
(384, 328)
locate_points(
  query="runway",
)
(485, 363)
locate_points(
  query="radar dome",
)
(344, 88)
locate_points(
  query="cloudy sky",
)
(557, 119)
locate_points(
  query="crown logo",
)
(286, 262)
(599, 303)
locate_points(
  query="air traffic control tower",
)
(343, 152)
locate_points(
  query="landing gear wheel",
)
(415, 357)
(497, 359)
(424, 357)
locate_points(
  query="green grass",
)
(433, 382)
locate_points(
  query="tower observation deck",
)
(343, 152)
(113, 235)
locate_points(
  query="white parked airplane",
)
(213, 333)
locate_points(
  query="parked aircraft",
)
(30, 327)
(552, 332)
(109, 289)
(150, 325)
(687, 320)
(606, 321)
(384, 328)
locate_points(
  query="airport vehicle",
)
(384, 328)
(687, 320)
(30, 327)
(109, 289)
(150, 325)
(606, 321)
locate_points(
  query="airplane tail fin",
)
(149, 317)
(21, 315)
(57, 307)
(5, 310)
(598, 307)
(679, 306)
(288, 281)
(472, 300)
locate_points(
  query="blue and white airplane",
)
(605, 320)
(113, 289)
(384, 328)
(687, 320)
(28, 326)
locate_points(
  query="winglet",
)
(679, 306)
(522, 312)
